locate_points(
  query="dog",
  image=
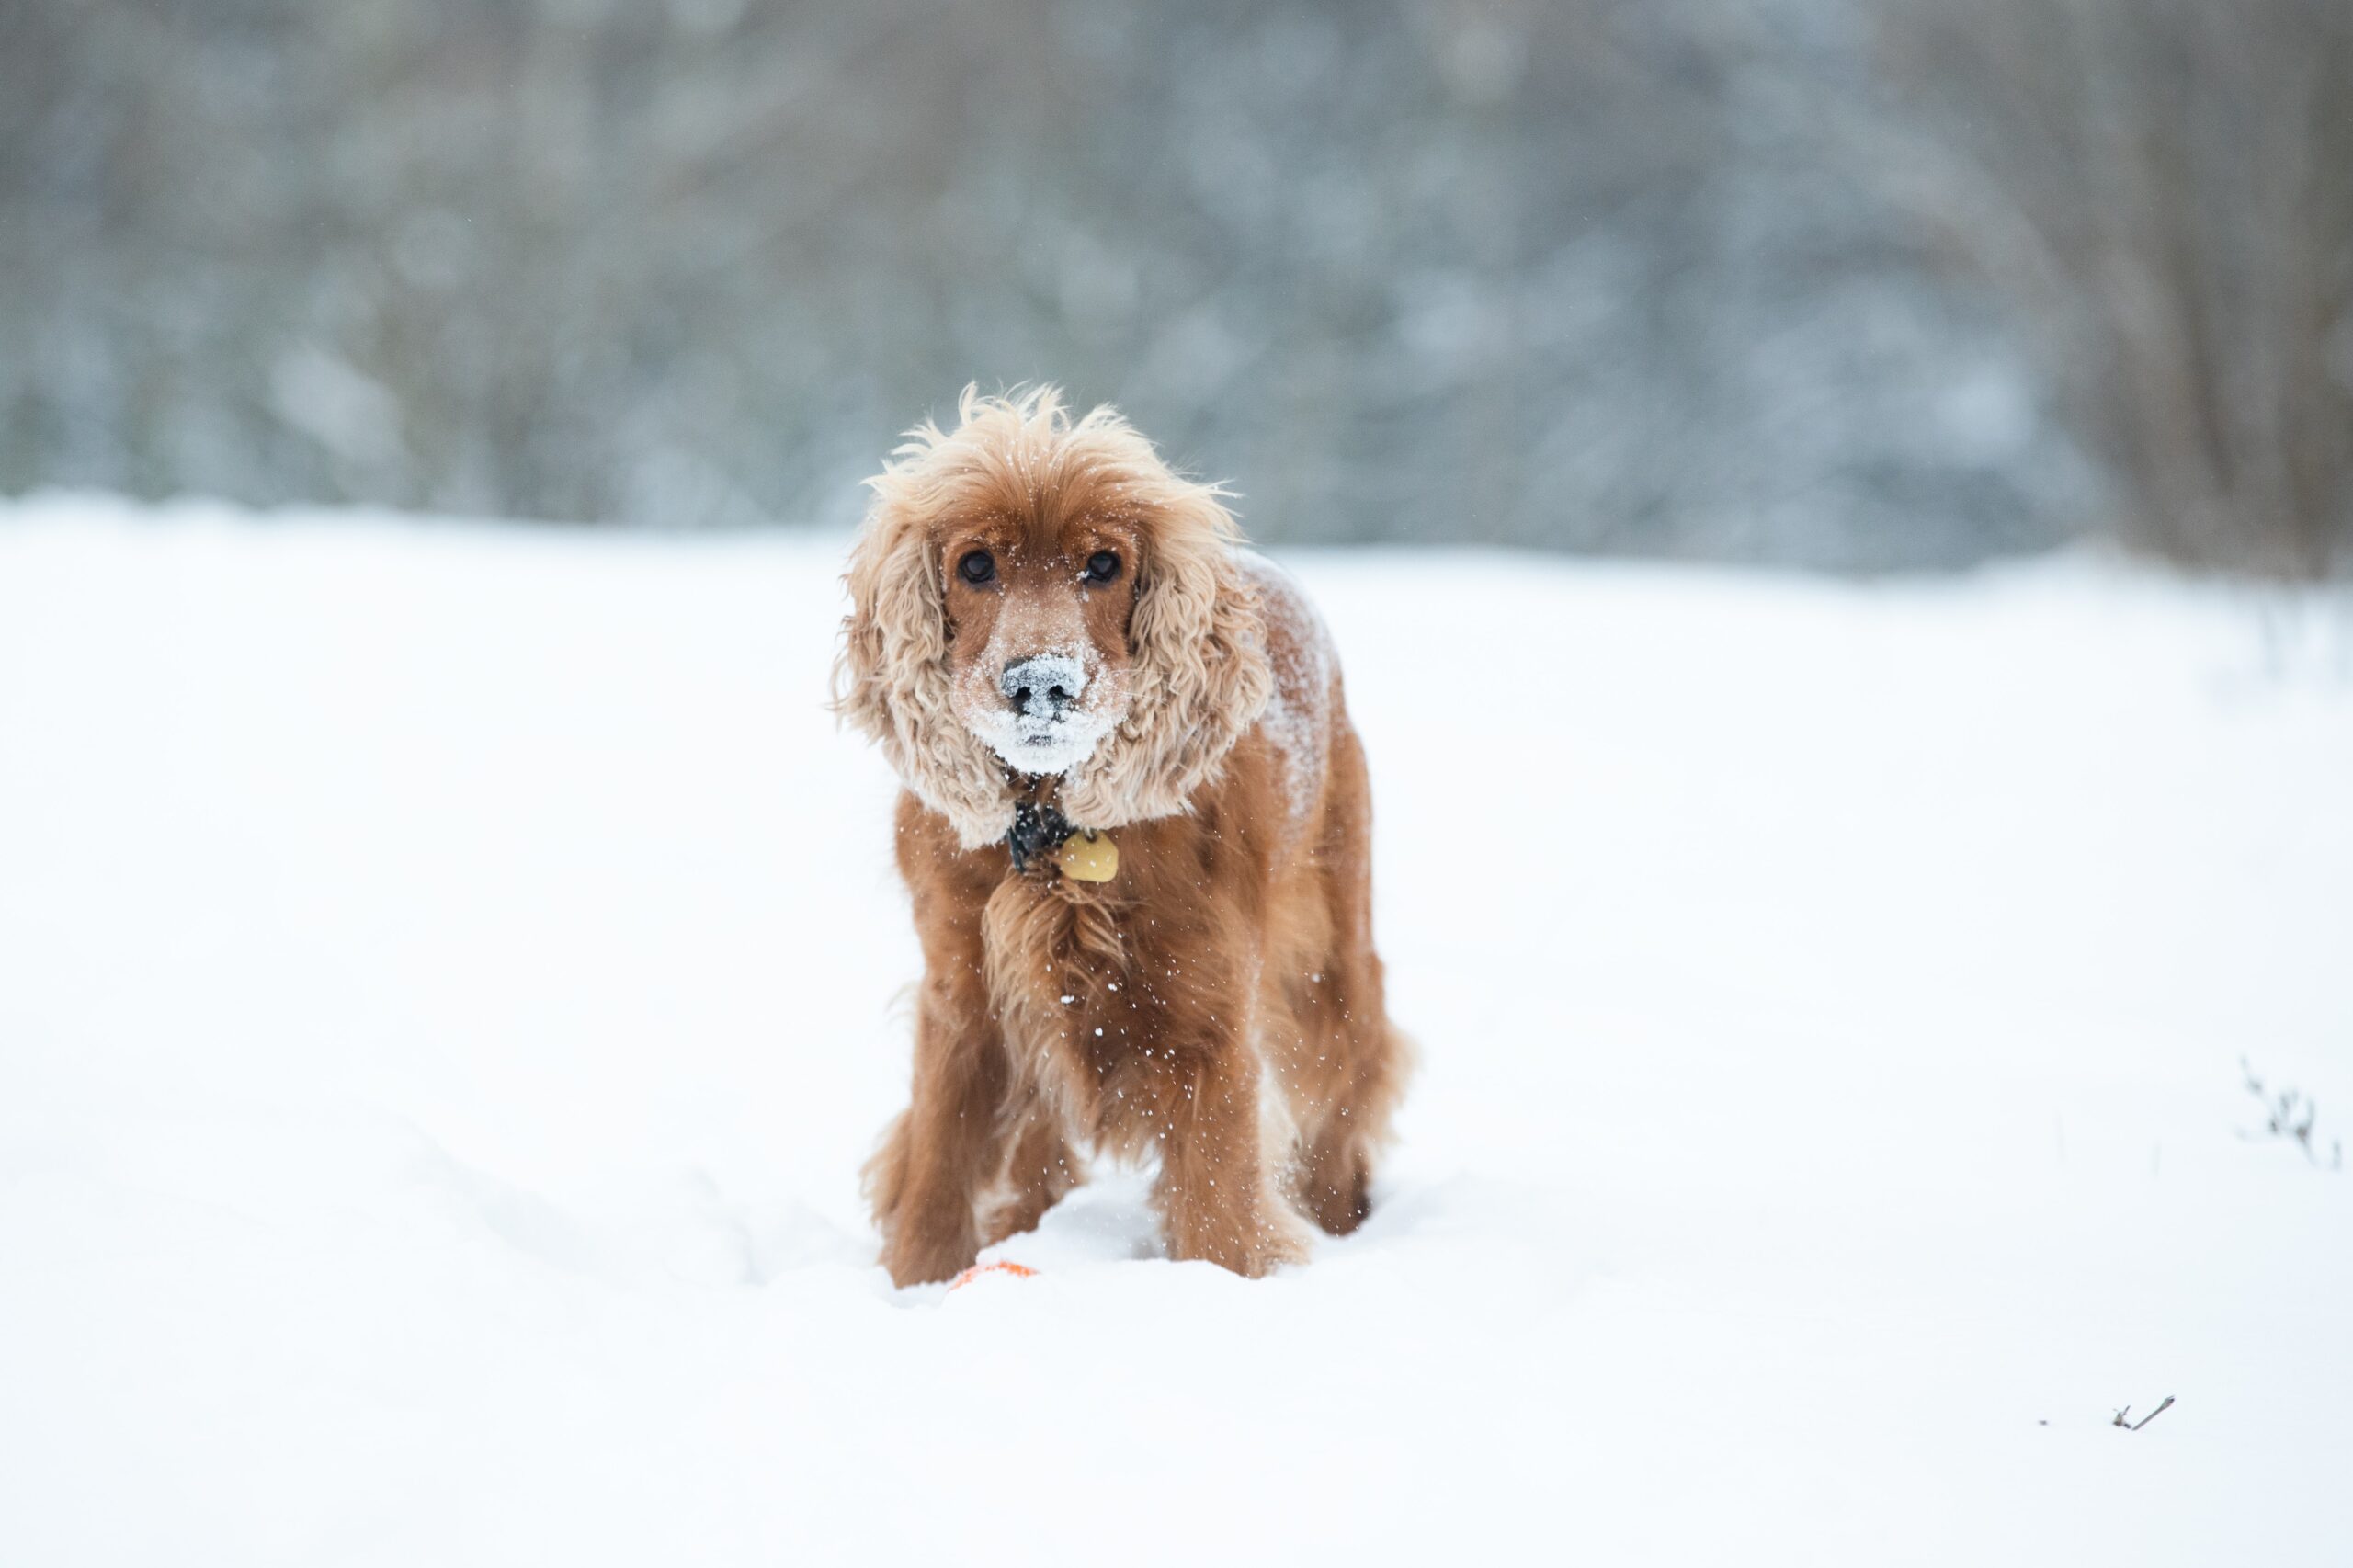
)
(1136, 825)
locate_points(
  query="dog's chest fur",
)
(1101, 991)
(1061, 966)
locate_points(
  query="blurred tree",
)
(2163, 192)
(1668, 278)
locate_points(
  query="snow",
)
(448, 984)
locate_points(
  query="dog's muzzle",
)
(1041, 687)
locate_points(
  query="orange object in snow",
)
(1018, 1270)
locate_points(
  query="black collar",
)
(1036, 830)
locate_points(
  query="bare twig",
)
(2289, 1114)
(2136, 1426)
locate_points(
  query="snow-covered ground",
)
(450, 976)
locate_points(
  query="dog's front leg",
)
(1217, 1195)
(947, 1146)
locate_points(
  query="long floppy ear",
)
(1201, 673)
(891, 680)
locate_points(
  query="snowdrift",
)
(446, 989)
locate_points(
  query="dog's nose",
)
(1044, 686)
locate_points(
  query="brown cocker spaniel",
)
(1137, 827)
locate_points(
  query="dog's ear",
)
(896, 625)
(1201, 677)
(891, 680)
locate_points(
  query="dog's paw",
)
(1283, 1238)
(1256, 1258)
(916, 1258)
(1253, 1246)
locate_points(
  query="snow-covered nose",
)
(1040, 687)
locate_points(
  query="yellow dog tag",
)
(1088, 858)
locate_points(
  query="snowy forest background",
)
(1807, 281)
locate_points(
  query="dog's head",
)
(1037, 595)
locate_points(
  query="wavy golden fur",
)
(1217, 1002)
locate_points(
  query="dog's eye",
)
(978, 566)
(1102, 566)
